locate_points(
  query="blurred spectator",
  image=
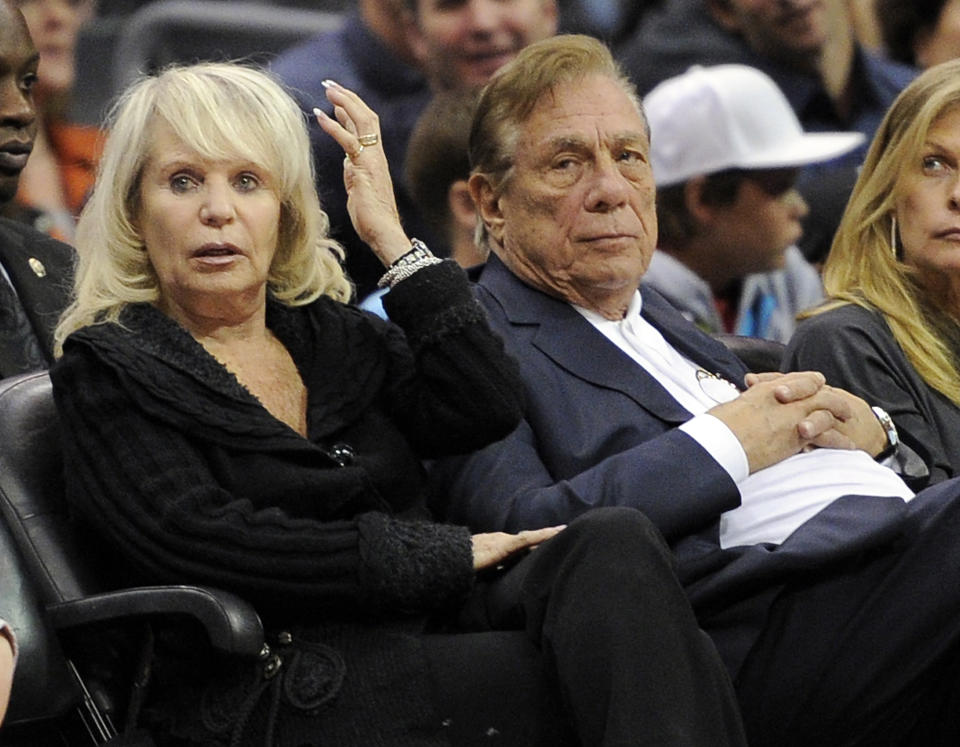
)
(58, 177)
(610, 20)
(920, 33)
(33, 266)
(866, 25)
(436, 172)
(809, 49)
(460, 43)
(370, 55)
(725, 149)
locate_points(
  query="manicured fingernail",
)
(327, 83)
(320, 113)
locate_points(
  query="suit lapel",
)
(572, 343)
(39, 271)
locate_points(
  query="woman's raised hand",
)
(366, 174)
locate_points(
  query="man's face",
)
(776, 28)
(461, 43)
(18, 74)
(753, 233)
(577, 218)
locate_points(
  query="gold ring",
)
(357, 152)
(369, 140)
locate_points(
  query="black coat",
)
(41, 271)
(189, 478)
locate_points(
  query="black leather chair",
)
(54, 589)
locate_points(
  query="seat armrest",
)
(231, 623)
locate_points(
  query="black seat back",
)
(32, 500)
(43, 689)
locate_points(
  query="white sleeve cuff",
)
(720, 443)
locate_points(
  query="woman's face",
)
(928, 209)
(210, 229)
(54, 26)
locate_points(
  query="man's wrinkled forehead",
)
(572, 126)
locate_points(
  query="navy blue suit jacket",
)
(600, 431)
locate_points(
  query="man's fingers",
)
(799, 385)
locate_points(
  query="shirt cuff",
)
(720, 443)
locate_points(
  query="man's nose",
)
(484, 14)
(609, 187)
(16, 105)
(795, 200)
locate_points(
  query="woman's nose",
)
(217, 208)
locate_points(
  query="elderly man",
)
(818, 573)
(34, 269)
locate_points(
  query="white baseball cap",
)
(711, 119)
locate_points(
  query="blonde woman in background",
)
(890, 329)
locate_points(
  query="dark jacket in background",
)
(41, 271)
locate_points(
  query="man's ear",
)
(488, 205)
(463, 210)
(699, 210)
(724, 14)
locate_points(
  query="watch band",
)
(893, 438)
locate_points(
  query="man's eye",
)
(28, 82)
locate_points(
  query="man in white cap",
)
(726, 149)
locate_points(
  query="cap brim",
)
(811, 147)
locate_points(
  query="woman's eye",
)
(933, 164)
(247, 182)
(180, 183)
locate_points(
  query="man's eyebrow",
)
(567, 142)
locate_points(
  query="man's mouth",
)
(13, 156)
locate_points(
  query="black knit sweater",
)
(187, 476)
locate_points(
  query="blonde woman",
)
(890, 330)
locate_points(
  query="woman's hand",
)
(495, 547)
(6, 673)
(366, 174)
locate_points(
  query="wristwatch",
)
(893, 438)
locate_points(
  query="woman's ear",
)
(488, 205)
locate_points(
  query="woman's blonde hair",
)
(863, 266)
(223, 111)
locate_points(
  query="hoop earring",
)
(893, 238)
